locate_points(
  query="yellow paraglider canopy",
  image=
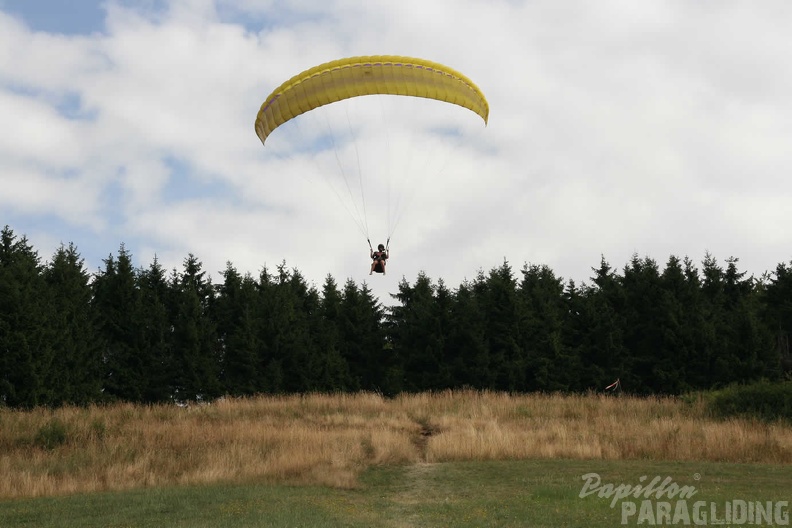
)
(369, 75)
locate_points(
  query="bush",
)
(764, 400)
(51, 435)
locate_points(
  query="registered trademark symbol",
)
(696, 476)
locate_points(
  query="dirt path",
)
(418, 484)
(413, 491)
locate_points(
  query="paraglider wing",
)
(356, 76)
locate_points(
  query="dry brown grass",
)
(330, 439)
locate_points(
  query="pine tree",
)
(550, 363)
(417, 337)
(75, 375)
(647, 329)
(234, 313)
(287, 357)
(333, 369)
(270, 319)
(363, 337)
(715, 325)
(194, 364)
(25, 332)
(444, 301)
(302, 362)
(137, 335)
(605, 308)
(116, 305)
(778, 315)
(153, 328)
(750, 339)
(680, 321)
(496, 297)
(576, 338)
(467, 349)
(696, 327)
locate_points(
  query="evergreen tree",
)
(417, 336)
(270, 319)
(467, 350)
(302, 363)
(778, 314)
(714, 343)
(550, 363)
(362, 337)
(576, 336)
(137, 335)
(25, 333)
(444, 301)
(332, 369)
(153, 329)
(235, 315)
(749, 338)
(497, 297)
(696, 328)
(645, 327)
(194, 364)
(680, 321)
(605, 308)
(286, 352)
(75, 375)
(116, 306)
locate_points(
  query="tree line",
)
(144, 334)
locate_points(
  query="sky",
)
(616, 128)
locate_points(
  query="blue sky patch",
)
(183, 184)
(70, 105)
(68, 17)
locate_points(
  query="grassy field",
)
(536, 493)
(445, 459)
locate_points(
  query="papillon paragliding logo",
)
(662, 502)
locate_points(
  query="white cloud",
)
(39, 133)
(615, 127)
